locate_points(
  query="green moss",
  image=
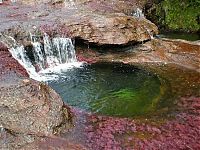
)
(177, 15)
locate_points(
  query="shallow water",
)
(113, 90)
(180, 35)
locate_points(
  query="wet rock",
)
(3, 47)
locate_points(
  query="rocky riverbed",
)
(175, 127)
(33, 115)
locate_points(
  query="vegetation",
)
(176, 15)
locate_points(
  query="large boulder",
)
(29, 107)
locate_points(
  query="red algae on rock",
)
(180, 132)
(89, 56)
(9, 64)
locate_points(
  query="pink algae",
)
(182, 131)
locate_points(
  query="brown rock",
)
(114, 28)
(162, 51)
(31, 108)
(9, 64)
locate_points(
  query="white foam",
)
(53, 59)
(58, 71)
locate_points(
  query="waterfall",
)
(46, 56)
(60, 44)
(20, 55)
(138, 13)
(53, 52)
(38, 55)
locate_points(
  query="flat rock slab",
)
(99, 22)
(163, 51)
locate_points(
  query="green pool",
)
(114, 90)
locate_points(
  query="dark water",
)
(180, 35)
(113, 90)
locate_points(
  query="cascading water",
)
(53, 52)
(38, 55)
(138, 13)
(65, 49)
(20, 55)
(51, 55)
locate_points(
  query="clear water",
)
(113, 90)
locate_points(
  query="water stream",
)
(180, 35)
